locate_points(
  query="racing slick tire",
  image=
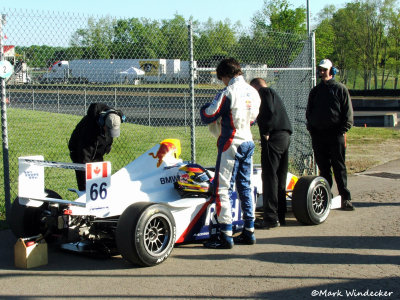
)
(25, 220)
(146, 233)
(311, 200)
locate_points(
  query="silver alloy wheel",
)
(157, 234)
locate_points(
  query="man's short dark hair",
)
(228, 67)
(259, 82)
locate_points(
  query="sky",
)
(45, 27)
(201, 10)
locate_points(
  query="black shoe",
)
(219, 243)
(281, 219)
(347, 205)
(261, 224)
(245, 238)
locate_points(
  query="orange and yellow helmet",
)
(193, 180)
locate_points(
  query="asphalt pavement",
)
(353, 255)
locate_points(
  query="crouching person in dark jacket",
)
(93, 137)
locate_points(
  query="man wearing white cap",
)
(329, 116)
(93, 137)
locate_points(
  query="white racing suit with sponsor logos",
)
(230, 116)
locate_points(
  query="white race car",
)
(138, 212)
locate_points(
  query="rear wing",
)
(31, 181)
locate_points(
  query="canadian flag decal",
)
(97, 170)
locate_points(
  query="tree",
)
(38, 56)
(348, 26)
(393, 59)
(324, 40)
(215, 39)
(278, 34)
(97, 38)
(388, 17)
(138, 38)
(324, 33)
(276, 15)
(356, 38)
(326, 13)
(175, 34)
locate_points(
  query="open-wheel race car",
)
(143, 209)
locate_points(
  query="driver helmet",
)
(193, 180)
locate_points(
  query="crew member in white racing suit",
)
(230, 116)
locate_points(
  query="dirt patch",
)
(365, 156)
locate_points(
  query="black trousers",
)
(81, 180)
(330, 153)
(80, 175)
(274, 164)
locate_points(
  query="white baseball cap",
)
(325, 63)
(113, 122)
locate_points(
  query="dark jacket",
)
(329, 109)
(272, 116)
(89, 141)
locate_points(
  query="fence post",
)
(149, 106)
(313, 63)
(191, 88)
(313, 83)
(184, 98)
(115, 98)
(84, 111)
(4, 130)
(33, 99)
(58, 101)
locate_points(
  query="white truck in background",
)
(120, 71)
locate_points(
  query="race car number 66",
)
(97, 191)
(98, 179)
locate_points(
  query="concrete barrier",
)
(375, 119)
(371, 103)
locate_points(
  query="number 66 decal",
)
(98, 179)
(97, 191)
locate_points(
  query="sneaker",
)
(261, 224)
(219, 242)
(245, 238)
(347, 205)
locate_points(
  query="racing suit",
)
(232, 112)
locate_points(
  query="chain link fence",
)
(159, 73)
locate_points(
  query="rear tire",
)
(311, 200)
(146, 233)
(25, 220)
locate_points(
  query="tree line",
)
(362, 39)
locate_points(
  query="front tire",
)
(146, 233)
(311, 200)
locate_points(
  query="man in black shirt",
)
(329, 116)
(275, 130)
(93, 137)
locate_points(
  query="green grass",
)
(371, 135)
